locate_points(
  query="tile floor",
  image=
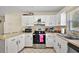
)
(32, 50)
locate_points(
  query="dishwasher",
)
(72, 48)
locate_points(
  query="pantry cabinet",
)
(28, 40)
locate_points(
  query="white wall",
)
(2, 24)
(12, 23)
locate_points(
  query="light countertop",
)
(74, 42)
(9, 35)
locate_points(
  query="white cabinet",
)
(27, 20)
(49, 20)
(60, 45)
(21, 41)
(55, 44)
(58, 19)
(64, 47)
(15, 44)
(42, 17)
(11, 45)
(49, 40)
(63, 19)
(28, 40)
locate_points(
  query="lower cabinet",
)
(14, 44)
(64, 47)
(21, 41)
(49, 40)
(28, 40)
(11, 45)
(60, 45)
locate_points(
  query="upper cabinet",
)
(61, 19)
(48, 20)
(27, 20)
(42, 17)
(57, 21)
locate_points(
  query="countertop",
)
(74, 42)
(9, 35)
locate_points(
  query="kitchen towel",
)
(41, 38)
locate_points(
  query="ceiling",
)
(6, 9)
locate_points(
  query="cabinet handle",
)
(12, 39)
(59, 46)
(17, 42)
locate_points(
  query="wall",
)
(2, 24)
(12, 23)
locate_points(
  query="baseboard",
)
(32, 47)
(21, 50)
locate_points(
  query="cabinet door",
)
(49, 40)
(47, 21)
(27, 20)
(21, 42)
(64, 46)
(12, 45)
(28, 40)
(56, 44)
(42, 17)
(63, 19)
(58, 19)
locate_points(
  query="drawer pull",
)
(12, 39)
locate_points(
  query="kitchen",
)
(39, 29)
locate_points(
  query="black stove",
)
(39, 37)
